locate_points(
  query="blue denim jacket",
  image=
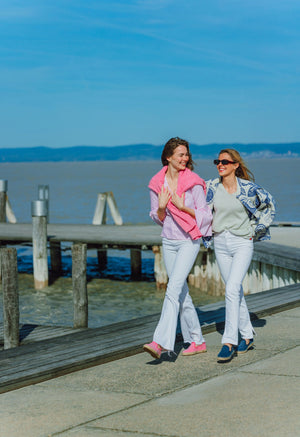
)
(259, 204)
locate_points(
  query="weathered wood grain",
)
(80, 296)
(10, 297)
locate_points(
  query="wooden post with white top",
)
(43, 194)
(39, 243)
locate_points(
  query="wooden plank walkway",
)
(111, 235)
(45, 359)
(29, 333)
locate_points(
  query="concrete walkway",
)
(256, 394)
(288, 236)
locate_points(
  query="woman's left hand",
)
(178, 201)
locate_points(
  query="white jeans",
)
(179, 257)
(233, 256)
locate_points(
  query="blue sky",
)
(108, 72)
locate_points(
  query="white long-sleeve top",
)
(195, 199)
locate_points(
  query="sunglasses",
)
(223, 162)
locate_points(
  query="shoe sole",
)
(193, 353)
(250, 346)
(152, 352)
(224, 360)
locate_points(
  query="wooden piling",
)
(100, 210)
(160, 272)
(195, 277)
(136, 264)
(3, 190)
(9, 212)
(254, 273)
(55, 258)
(39, 244)
(80, 296)
(266, 277)
(103, 200)
(114, 209)
(2, 207)
(100, 219)
(10, 297)
(102, 258)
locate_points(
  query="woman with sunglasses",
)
(178, 204)
(242, 213)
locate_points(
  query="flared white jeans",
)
(179, 257)
(233, 256)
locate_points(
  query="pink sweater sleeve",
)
(202, 211)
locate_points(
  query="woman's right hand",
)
(163, 198)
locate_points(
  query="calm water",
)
(113, 297)
(74, 186)
(73, 194)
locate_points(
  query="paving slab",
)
(285, 365)
(278, 332)
(44, 410)
(234, 404)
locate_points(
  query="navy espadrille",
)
(225, 353)
(244, 347)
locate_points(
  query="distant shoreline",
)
(248, 158)
(141, 152)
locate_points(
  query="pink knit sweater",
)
(186, 180)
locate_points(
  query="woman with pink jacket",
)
(178, 204)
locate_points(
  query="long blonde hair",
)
(242, 171)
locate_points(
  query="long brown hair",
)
(242, 171)
(169, 148)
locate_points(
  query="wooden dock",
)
(41, 357)
(279, 263)
(112, 235)
(127, 236)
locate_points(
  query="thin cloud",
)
(12, 13)
(154, 4)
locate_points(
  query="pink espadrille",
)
(194, 349)
(153, 349)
